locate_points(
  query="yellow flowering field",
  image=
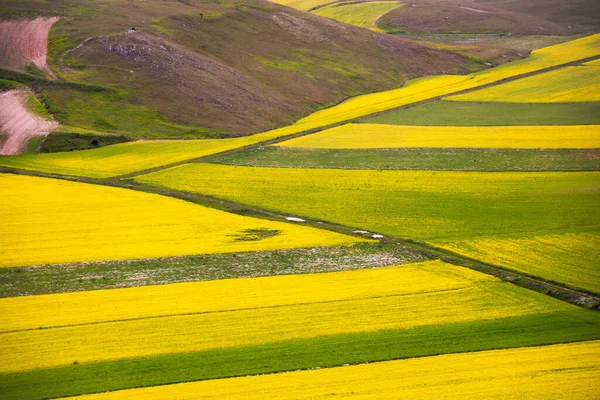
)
(203, 297)
(301, 4)
(565, 85)
(48, 221)
(564, 371)
(452, 295)
(124, 158)
(359, 14)
(375, 136)
(568, 257)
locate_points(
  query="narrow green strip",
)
(456, 113)
(551, 328)
(439, 159)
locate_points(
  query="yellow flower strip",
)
(43, 348)
(375, 136)
(565, 85)
(47, 221)
(360, 14)
(570, 257)
(33, 312)
(565, 371)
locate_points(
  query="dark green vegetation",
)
(532, 330)
(455, 113)
(112, 274)
(493, 16)
(240, 68)
(67, 141)
(440, 159)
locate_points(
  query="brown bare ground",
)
(25, 41)
(18, 124)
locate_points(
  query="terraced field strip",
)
(560, 372)
(375, 136)
(463, 113)
(360, 14)
(565, 85)
(423, 205)
(422, 159)
(48, 221)
(124, 158)
(570, 257)
(415, 91)
(128, 323)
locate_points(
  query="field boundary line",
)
(576, 296)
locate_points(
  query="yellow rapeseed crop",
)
(48, 221)
(360, 14)
(20, 313)
(302, 4)
(288, 313)
(375, 136)
(570, 257)
(565, 85)
(564, 371)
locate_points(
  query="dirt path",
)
(25, 41)
(18, 124)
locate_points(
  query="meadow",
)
(48, 221)
(422, 205)
(360, 14)
(564, 85)
(559, 371)
(236, 327)
(375, 136)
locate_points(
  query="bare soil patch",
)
(24, 42)
(18, 124)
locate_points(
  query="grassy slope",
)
(577, 15)
(417, 159)
(302, 354)
(290, 64)
(452, 113)
(458, 16)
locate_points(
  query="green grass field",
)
(360, 14)
(415, 204)
(454, 113)
(549, 328)
(417, 159)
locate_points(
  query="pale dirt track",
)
(18, 124)
(25, 41)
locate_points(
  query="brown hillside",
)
(466, 16)
(238, 68)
